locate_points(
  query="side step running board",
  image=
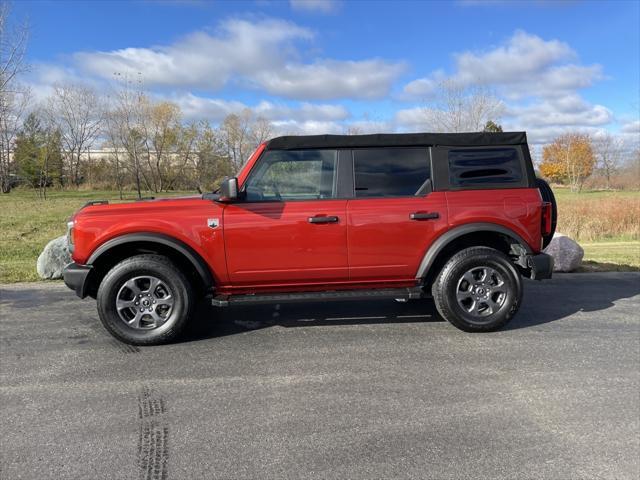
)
(397, 293)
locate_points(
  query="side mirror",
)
(229, 189)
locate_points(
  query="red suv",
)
(459, 217)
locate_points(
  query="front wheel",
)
(145, 300)
(478, 290)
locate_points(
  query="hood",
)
(145, 205)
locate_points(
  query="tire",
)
(548, 196)
(473, 303)
(163, 295)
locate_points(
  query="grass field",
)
(597, 216)
(611, 256)
(28, 223)
(605, 223)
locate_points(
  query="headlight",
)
(70, 235)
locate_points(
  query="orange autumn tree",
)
(569, 159)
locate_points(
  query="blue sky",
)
(321, 66)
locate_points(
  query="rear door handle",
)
(319, 219)
(424, 216)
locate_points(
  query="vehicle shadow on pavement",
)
(210, 322)
(568, 294)
(544, 302)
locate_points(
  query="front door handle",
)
(319, 219)
(424, 216)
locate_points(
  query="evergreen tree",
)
(29, 151)
(492, 126)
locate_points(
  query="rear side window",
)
(390, 172)
(470, 167)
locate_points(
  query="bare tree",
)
(77, 112)
(261, 130)
(125, 132)
(14, 97)
(353, 130)
(183, 153)
(608, 151)
(161, 127)
(112, 135)
(13, 46)
(461, 109)
(236, 135)
(242, 133)
(210, 162)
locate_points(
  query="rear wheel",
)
(145, 300)
(478, 290)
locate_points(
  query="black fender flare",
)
(451, 235)
(198, 263)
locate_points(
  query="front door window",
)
(283, 175)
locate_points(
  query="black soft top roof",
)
(398, 140)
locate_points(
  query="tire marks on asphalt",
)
(123, 347)
(95, 326)
(153, 439)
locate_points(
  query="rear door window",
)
(470, 167)
(390, 172)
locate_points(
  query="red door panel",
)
(384, 243)
(273, 243)
(520, 213)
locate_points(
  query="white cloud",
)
(215, 109)
(524, 66)
(542, 120)
(44, 76)
(322, 6)
(309, 127)
(303, 112)
(546, 119)
(632, 127)
(201, 59)
(523, 55)
(260, 55)
(630, 135)
(537, 79)
(325, 79)
(200, 108)
(424, 87)
(570, 111)
(411, 119)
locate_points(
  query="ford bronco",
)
(456, 217)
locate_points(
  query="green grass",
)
(563, 194)
(28, 223)
(611, 256)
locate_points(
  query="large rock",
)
(567, 254)
(54, 258)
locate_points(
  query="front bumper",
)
(541, 266)
(75, 277)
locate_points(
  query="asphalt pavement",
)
(333, 390)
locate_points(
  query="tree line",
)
(573, 159)
(143, 144)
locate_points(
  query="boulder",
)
(567, 254)
(53, 259)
